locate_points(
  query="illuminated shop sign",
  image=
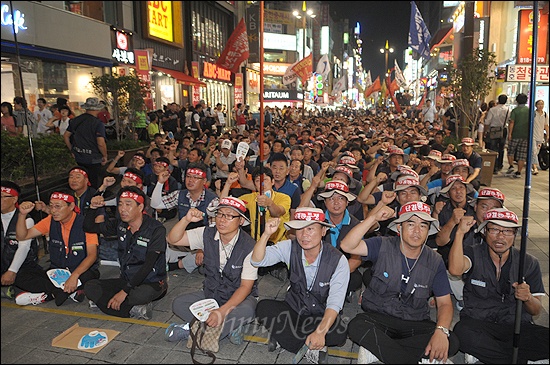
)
(123, 50)
(159, 20)
(9, 19)
(211, 71)
(270, 95)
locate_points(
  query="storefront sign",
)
(196, 94)
(211, 71)
(522, 73)
(123, 49)
(253, 78)
(270, 95)
(9, 19)
(195, 69)
(285, 42)
(143, 66)
(275, 68)
(239, 94)
(253, 31)
(273, 28)
(163, 59)
(525, 41)
(159, 20)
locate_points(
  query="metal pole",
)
(304, 84)
(527, 189)
(262, 216)
(25, 110)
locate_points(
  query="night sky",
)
(379, 20)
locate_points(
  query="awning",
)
(440, 36)
(181, 78)
(54, 54)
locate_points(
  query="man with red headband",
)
(17, 256)
(79, 182)
(70, 248)
(141, 253)
(395, 327)
(230, 279)
(162, 165)
(196, 195)
(491, 290)
(319, 277)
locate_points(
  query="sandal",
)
(177, 332)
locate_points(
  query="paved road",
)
(27, 332)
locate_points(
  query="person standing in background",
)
(518, 136)
(19, 112)
(8, 120)
(497, 117)
(42, 115)
(540, 126)
(85, 138)
(140, 124)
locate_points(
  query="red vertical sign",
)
(239, 94)
(196, 97)
(525, 41)
(143, 66)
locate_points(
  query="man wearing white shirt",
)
(230, 278)
(42, 116)
(429, 112)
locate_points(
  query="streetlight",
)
(387, 50)
(303, 15)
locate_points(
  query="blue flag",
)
(419, 35)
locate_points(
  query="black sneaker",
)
(510, 171)
(78, 296)
(516, 175)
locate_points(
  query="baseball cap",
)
(306, 216)
(421, 210)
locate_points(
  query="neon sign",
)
(17, 19)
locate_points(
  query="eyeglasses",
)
(228, 217)
(505, 232)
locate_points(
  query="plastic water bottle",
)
(268, 194)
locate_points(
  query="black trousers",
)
(95, 173)
(393, 340)
(290, 329)
(492, 343)
(497, 145)
(100, 291)
(37, 281)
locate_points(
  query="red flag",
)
(304, 68)
(236, 50)
(392, 87)
(373, 88)
(423, 98)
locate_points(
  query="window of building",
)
(90, 9)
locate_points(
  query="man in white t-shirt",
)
(230, 278)
(428, 112)
(42, 115)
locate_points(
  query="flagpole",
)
(527, 189)
(262, 116)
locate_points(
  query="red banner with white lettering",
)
(239, 93)
(236, 51)
(143, 66)
(304, 68)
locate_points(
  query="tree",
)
(470, 83)
(125, 94)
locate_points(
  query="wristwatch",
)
(445, 330)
